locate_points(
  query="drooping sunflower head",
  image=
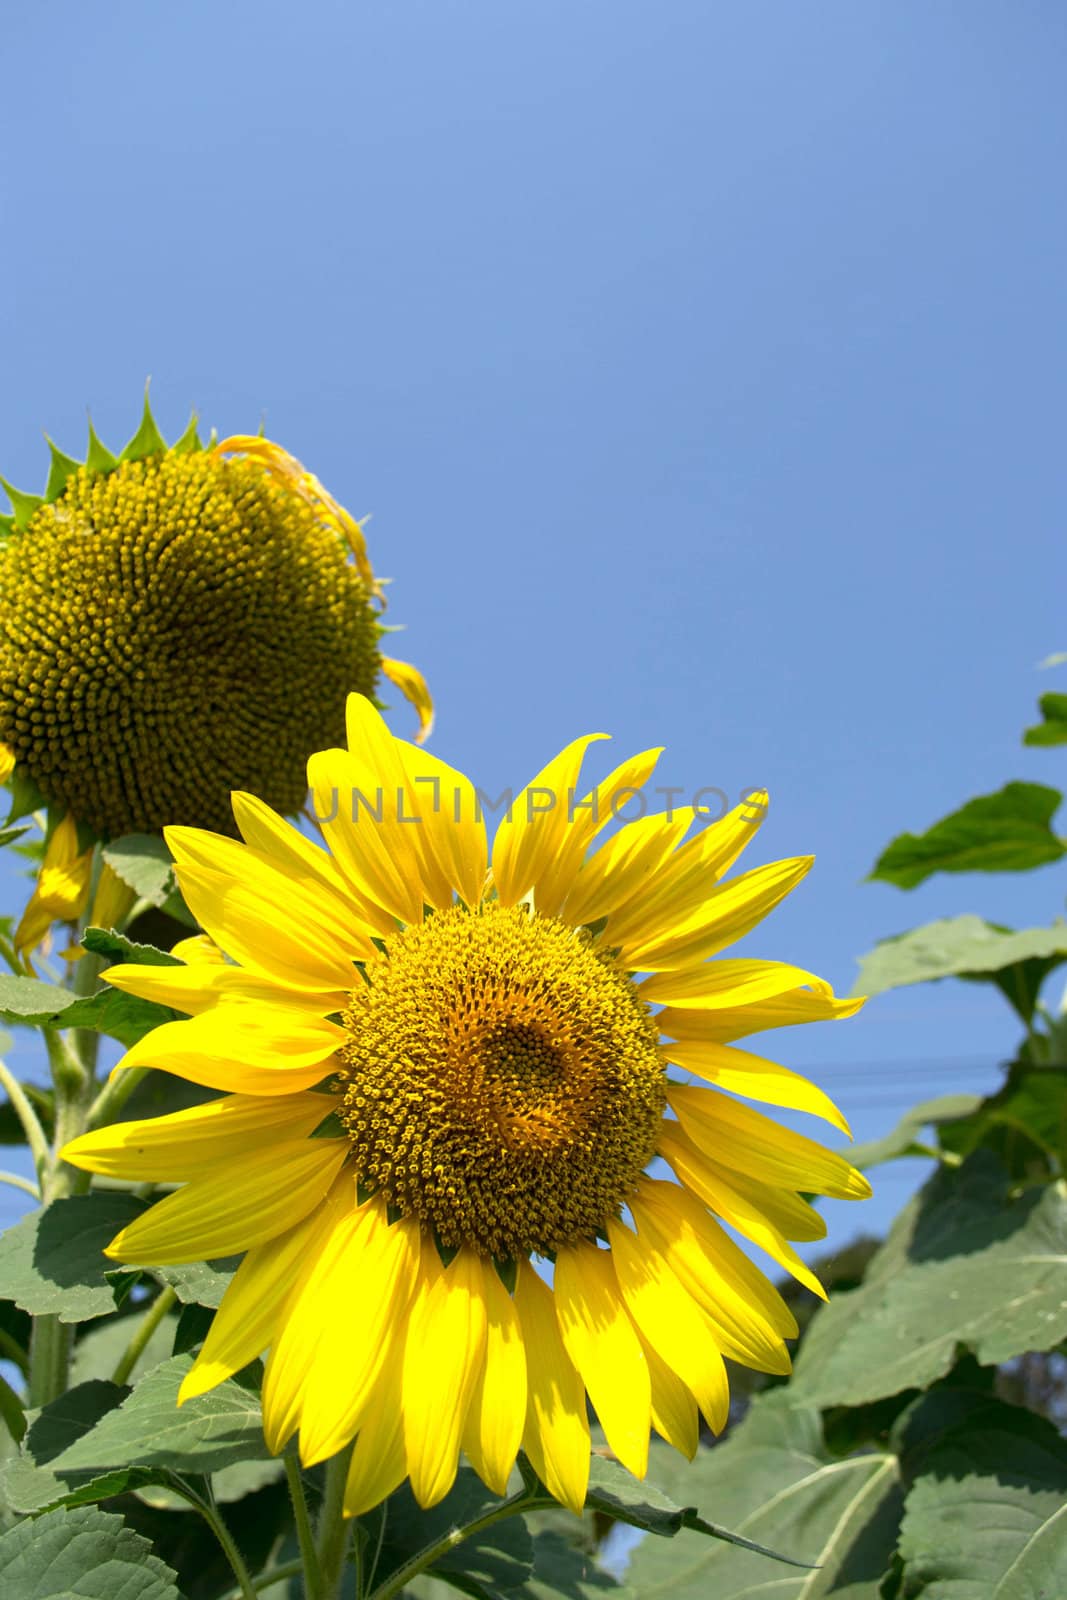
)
(455, 1136)
(176, 623)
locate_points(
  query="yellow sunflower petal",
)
(278, 841)
(412, 685)
(556, 1436)
(357, 809)
(260, 1195)
(589, 815)
(753, 1076)
(189, 1144)
(682, 885)
(783, 1011)
(452, 831)
(603, 1344)
(366, 1296)
(247, 1320)
(674, 1411)
(625, 865)
(716, 1272)
(242, 1049)
(7, 762)
(729, 911)
(671, 1322)
(736, 1206)
(277, 924)
(113, 900)
(492, 1432)
(442, 1360)
(200, 985)
(728, 984)
(750, 1142)
(307, 1312)
(379, 1462)
(62, 889)
(533, 829)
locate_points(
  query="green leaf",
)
(115, 947)
(1004, 832)
(775, 1484)
(9, 835)
(143, 862)
(904, 1138)
(618, 1494)
(1026, 1117)
(1053, 729)
(201, 1283)
(966, 1263)
(27, 1483)
(208, 1432)
(147, 441)
(30, 1002)
(561, 1568)
(81, 1554)
(53, 1261)
(121, 1016)
(986, 1518)
(971, 948)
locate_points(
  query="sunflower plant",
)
(413, 1219)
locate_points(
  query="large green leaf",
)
(27, 1482)
(143, 862)
(967, 947)
(773, 1482)
(1009, 831)
(1025, 1121)
(904, 1140)
(1052, 729)
(967, 1263)
(53, 1261)
(31, 1002)
(986, 1518)
(208, 1432)
(81, 1554)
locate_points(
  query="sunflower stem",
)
(212, 1516)
(31, 1125)
(147, 1327)
(309, 1556)
(333, 1529)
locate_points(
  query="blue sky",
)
(702, 365)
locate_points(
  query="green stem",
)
(305, 1536)
(16, 1182)
(148, 1325)
(333, 1530)
(114, 1095)
(432, 1552)
(28, 1117)
(50, 1347)
(210, 1513)
(271, 1575)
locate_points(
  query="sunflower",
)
(441, 1088)
(175, 623)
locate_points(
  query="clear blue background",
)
(703, 366)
